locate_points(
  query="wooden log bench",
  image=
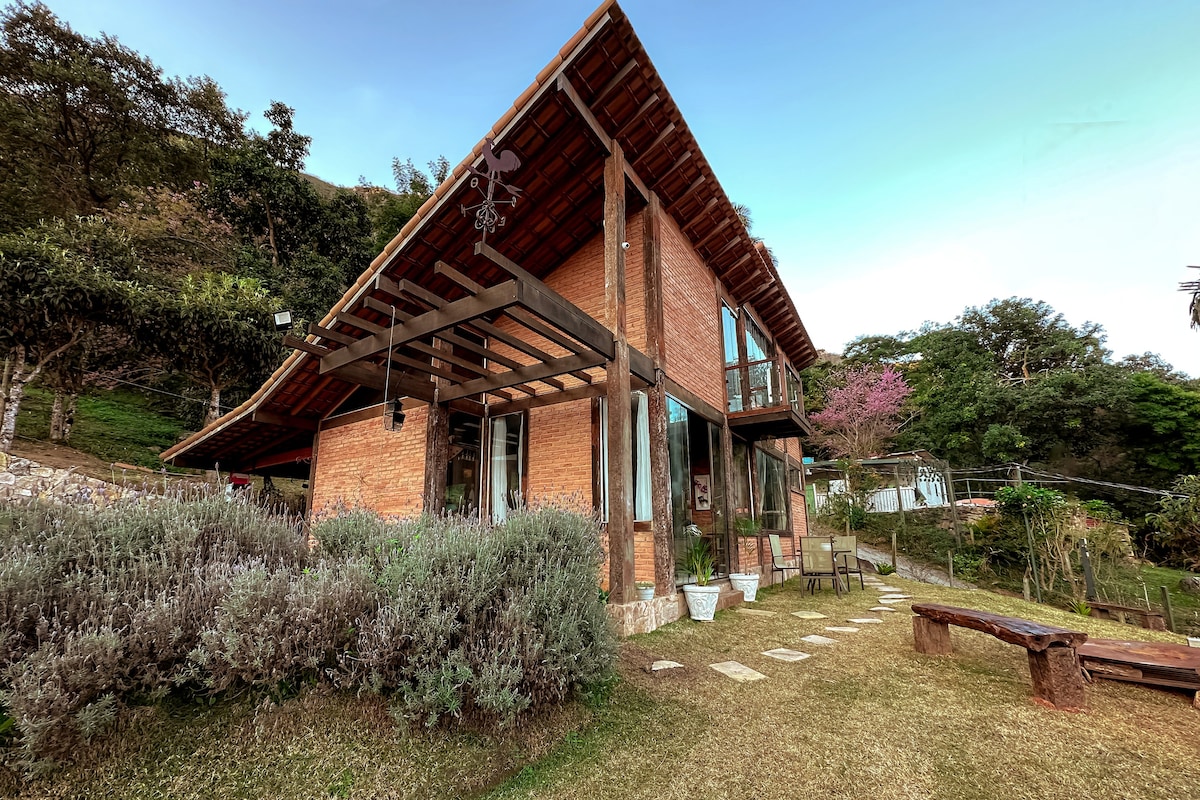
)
(1053, 663)
(1130, 615)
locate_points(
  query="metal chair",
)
(778, 562)
(816, 558)
(847, 558)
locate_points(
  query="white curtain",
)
(641, 457)
(604, 458)
(499, 470)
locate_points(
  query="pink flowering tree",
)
(862, 413)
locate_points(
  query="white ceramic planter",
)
(701, 601)
(746, 583)
(645, 592)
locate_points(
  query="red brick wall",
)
(691, 318)
(362, 464)
(560, 454)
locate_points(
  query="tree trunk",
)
(16, 379)
(5, 379)
(62, 415)
(214, 406)
(271, 235)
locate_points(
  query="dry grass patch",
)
(871, 717)
(317, 746)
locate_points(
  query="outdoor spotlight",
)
(283, 320)
(395, 415)
(624, 245)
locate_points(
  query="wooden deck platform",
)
(1173, 666)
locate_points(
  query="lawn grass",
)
(867, 717)
(111, 425)
(870, 717)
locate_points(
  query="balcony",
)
(760, 403)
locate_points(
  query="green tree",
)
(59, 284)
(216, 330)
(81, 119)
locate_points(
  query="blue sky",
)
(904, 160)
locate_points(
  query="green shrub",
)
(450, 618)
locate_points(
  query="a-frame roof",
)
(600, 87)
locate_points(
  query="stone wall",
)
(22, 479)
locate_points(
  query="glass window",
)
(758, 344)
(739, 493)
(506, 464)
(771, 491)
(640, 449)
(462, 467)
(795, 391)
(729, 333)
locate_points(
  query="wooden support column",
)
(437, 445)
(660, 462)
(620, 457)
(437, 457)
(730, 508)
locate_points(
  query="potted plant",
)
(697, 562)
(645, 590)
(749, 529)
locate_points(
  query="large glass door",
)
(697, 486)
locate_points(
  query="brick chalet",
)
(620, 341)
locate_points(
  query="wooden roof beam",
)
(649, 103)
(614, 82)
(662, 136)
(551, 306)
(285, 421)
(520, 315)
(534, 372)
(490, 300)
(567, 88)
(433, 352)
(698, 216)
(481, 350)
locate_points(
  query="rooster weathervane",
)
(487, 218)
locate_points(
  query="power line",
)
(153, 389)
(1124, 486)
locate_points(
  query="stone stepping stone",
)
(882, 608)
(817, 639)
(892, 601)
(754, 612)
(739, 672)
(783, 654)
(896, 597)
(841, 629)
(663, 664)
(882, 588)
(866, 621)
(809, 615)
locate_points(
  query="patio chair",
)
(778, 562)
(847, 558)
(816, 558)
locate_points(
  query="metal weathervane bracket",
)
(487, 217)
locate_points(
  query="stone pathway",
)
(739, 672)
(889, 596)
(817, 639)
